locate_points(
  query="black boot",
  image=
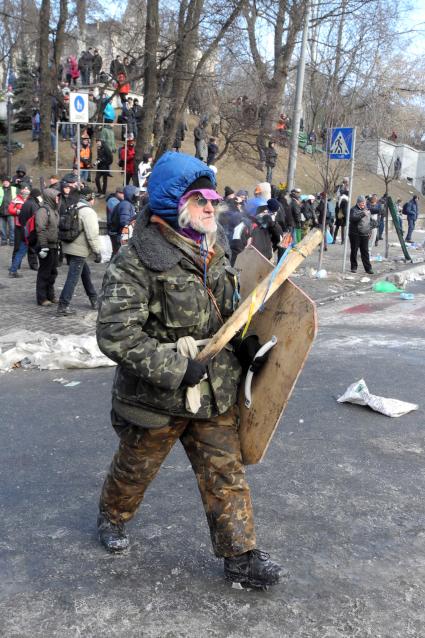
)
(112, 535)
(94, 302)
(252, 569)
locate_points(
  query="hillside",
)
(231, 172)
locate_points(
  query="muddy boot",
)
(252, 569)
(112, 535)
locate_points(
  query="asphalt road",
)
(338, 500)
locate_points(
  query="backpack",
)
(30, 233)
(69, 223)
(405, 209)
(121, 152)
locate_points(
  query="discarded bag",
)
(386, 286)
(359, 393)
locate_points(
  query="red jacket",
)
(130, 154)
(123, 85)
(15, 208)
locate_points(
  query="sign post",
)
(78, 114)
(343, 147)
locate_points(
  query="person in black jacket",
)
(271, 159)
(294, 213)
(97, 65)
(359, 232)
(29, 208)
(103, 163)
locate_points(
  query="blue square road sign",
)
(341, 143)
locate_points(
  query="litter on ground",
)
(45, 351)
(359, 394)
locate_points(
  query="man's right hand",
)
(43, 253)
(194, 373)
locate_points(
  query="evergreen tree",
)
(24, 94)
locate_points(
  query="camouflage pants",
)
(213, 449)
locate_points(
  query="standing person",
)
(85, 158)
(180, 134)
(97, 65)
(127, 159)
(138, 113)
(375, 215)
(112, 220)
(271, 160)
(294, 213)
(20, 177)
(330, 214)
(123, 87)
(176, 240)
(116, 67)
(20, 246)
(212, 151)
(200, 136)
(103, 164)
(410, 209)
(7, 221)
(46, 223)
(77, 251)
(28, 210)
(82, 67)
(124, 213)
(144, 170)
(108, 137)
(397, 168)
(359, 231)
(341, 210)
(89, 64)
(128, 117)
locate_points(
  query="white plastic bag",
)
(359, 393)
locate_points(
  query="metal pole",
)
(78, 153)
(125, 153)
(347, 225)
(292, 164)
(9, 135)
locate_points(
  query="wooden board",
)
(290, 315)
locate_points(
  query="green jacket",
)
(11, 194)
(107, 135)
(152, 295)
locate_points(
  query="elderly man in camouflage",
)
(172, 281)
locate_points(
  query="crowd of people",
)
(33, 221)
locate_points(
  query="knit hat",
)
(35, 192)
(360, 199)
(87, 193)
(273, 205)
(228, 191)
(70, 178)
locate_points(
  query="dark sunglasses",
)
(202, 201)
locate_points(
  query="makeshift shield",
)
(289, 315)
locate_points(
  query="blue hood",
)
(129, 193)
(171, 176)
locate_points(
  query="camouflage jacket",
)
(153, 294)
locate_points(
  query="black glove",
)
(194, 373)
(246, 351)
(97, 258)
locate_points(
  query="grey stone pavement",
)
(19, 309)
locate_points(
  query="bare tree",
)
(144, 136)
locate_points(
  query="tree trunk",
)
(44, 146)
(144, 134)
(81, 20)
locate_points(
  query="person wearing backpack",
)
(410, 209)
(86, 243)
(46, 224)
(27, 211)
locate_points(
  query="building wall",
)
(369, 153)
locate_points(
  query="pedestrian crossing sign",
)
(341, 143)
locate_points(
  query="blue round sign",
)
(79, 104)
